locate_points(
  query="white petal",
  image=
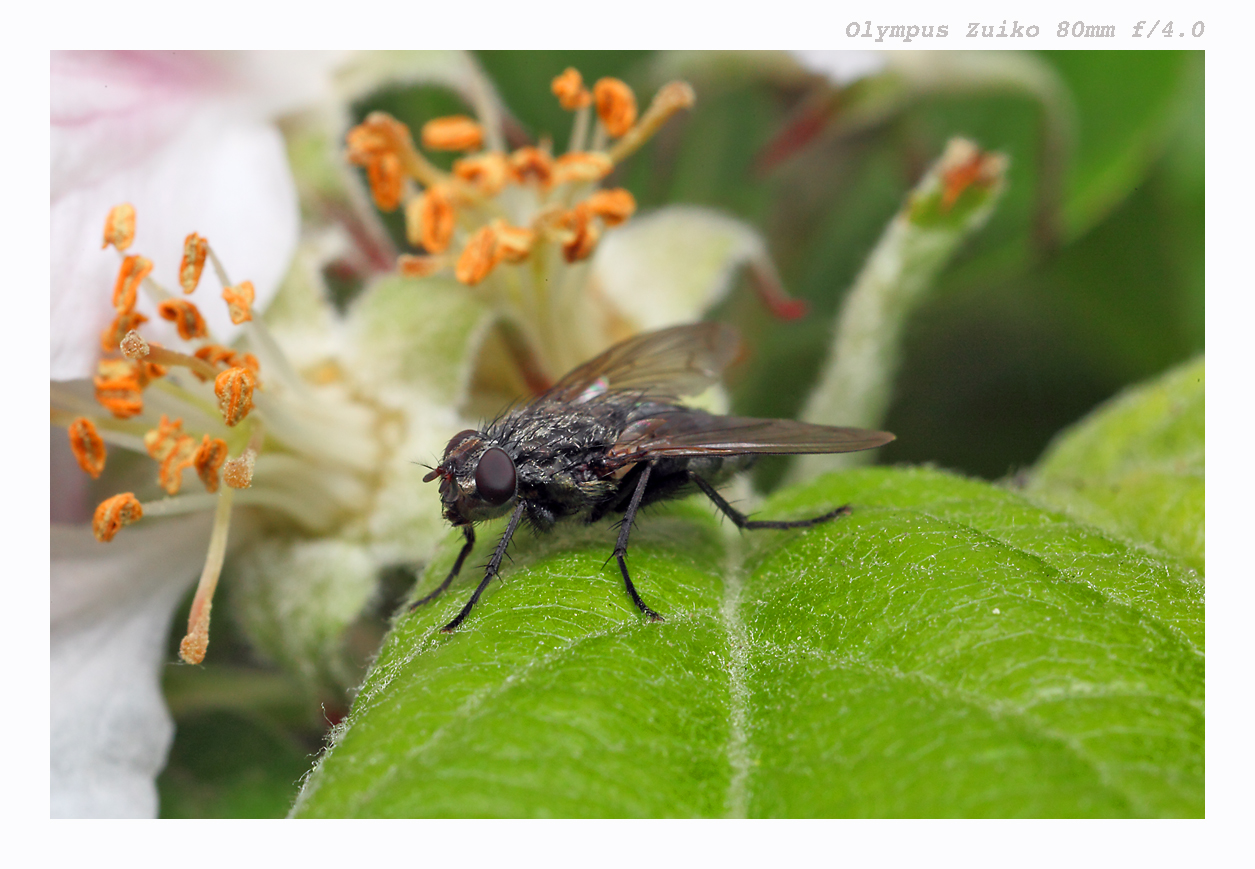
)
(111, 610)
(225, 179)
(670, 266)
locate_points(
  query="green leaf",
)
(947, 649)
(1135, 467)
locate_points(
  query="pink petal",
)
(185, 138)
(227, 180)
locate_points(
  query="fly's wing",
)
(668, 363)
(694, 433)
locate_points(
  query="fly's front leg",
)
(742, 521)
(468, 531)
(620, 548)
(493, 564)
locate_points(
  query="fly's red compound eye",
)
(495, 478)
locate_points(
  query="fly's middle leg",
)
(742, 521)
(620, 547)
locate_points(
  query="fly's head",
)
(477, 480)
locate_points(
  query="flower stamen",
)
(194, 250)
(193, 646)
(452, 133)
(570, 91)
(616, 105)
(433, 219)
(156, 357)
(238, 472)
(132, 273)
(670, 99)
(234, 388)
(120, 227)
(581, 166)
(208, 461)
(118, 387)
(87, 445)
(115, 513)
(123, 324)
(185, 316)
(478, 257)
(239, 299)
(413, 266)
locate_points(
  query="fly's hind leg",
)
(742, 521)
(620, 547)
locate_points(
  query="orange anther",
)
(249, 361)
(208, 461)
(435, 219)
(161, 441)
(185, 316)
(387, 181)
(382, 144)
(150, 371)
(616, 105)
(118, 387)
(583, 234)
(120, 226)
(570, 91)
(170, 474)
(195, 249)
(514, 243)
(612, 206)
(581, 166)
(419, 266)
(114, 513)
(173, 449)
(238, 473)
(123, 323)
(478, 257)
(379, 134)
(132, 273)
(239, 301)
(531, 164)
(234, 388)
(487, 172)
(215, 354)
(87, 446)
(452, 133)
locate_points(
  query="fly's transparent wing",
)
(668, 363)
(695, 433)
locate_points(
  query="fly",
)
(612, 437)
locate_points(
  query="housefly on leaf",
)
(611, 437)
